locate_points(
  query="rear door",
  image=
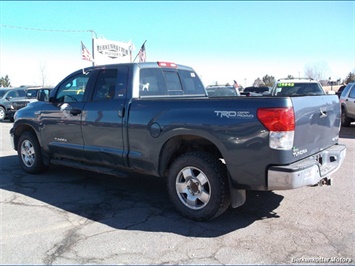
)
(317, 123)
(102, 119)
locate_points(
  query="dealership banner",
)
(111, 52)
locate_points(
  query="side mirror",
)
(43, 95)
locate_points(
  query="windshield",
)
(297, 89)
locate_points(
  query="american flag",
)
(85, 53)
(236, 84)
(142, 54)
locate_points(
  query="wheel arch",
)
(178, 145)
(343, 108)
(19, 130)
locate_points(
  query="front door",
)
(61, 118)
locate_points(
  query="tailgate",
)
(317, 123)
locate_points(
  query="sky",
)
(40, 41)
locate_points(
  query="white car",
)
(297, 87)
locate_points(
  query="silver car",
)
(347, 102)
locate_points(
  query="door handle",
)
(121, 112)
(75, 112)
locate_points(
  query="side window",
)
(352, 93)
(151, 82)
(105, 87)
(73, 89)
(122, 82)
(21, 93)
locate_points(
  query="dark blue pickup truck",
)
(157, 119)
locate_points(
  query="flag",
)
(142, 53)
(85, 53)
(236, 84)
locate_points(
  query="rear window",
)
(298, 89)
(160, 81)
(32, 93)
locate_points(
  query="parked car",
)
(32, 95)
(255, 91)
(297, 87)
(221, 91)
(340, 90)
(7, 97)
(347, 102)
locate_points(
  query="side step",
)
(92, 168)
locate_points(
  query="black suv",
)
(7, 97)
(255, 91)
(32, 95)
(221, 91)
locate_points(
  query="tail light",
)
(281, 124)
(167, 64)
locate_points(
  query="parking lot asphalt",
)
(69, 216)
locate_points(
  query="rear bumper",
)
(308, 171)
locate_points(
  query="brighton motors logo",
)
(112, 50)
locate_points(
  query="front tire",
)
(2, 113)
(198, 186)
(29, 154)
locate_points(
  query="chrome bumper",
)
(308, 171)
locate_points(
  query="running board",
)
(92, 168)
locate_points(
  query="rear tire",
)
(198, 186)
(345, 120)
(29, 154)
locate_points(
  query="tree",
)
(269, 81)
(317, 71)
(43, 74)
(258, 83)
(5, 81)
(350, 78)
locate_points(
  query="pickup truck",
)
(156, 118)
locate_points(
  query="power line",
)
(48, 30)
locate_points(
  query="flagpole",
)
(139, 50)
(93, 50)
(93, 35)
